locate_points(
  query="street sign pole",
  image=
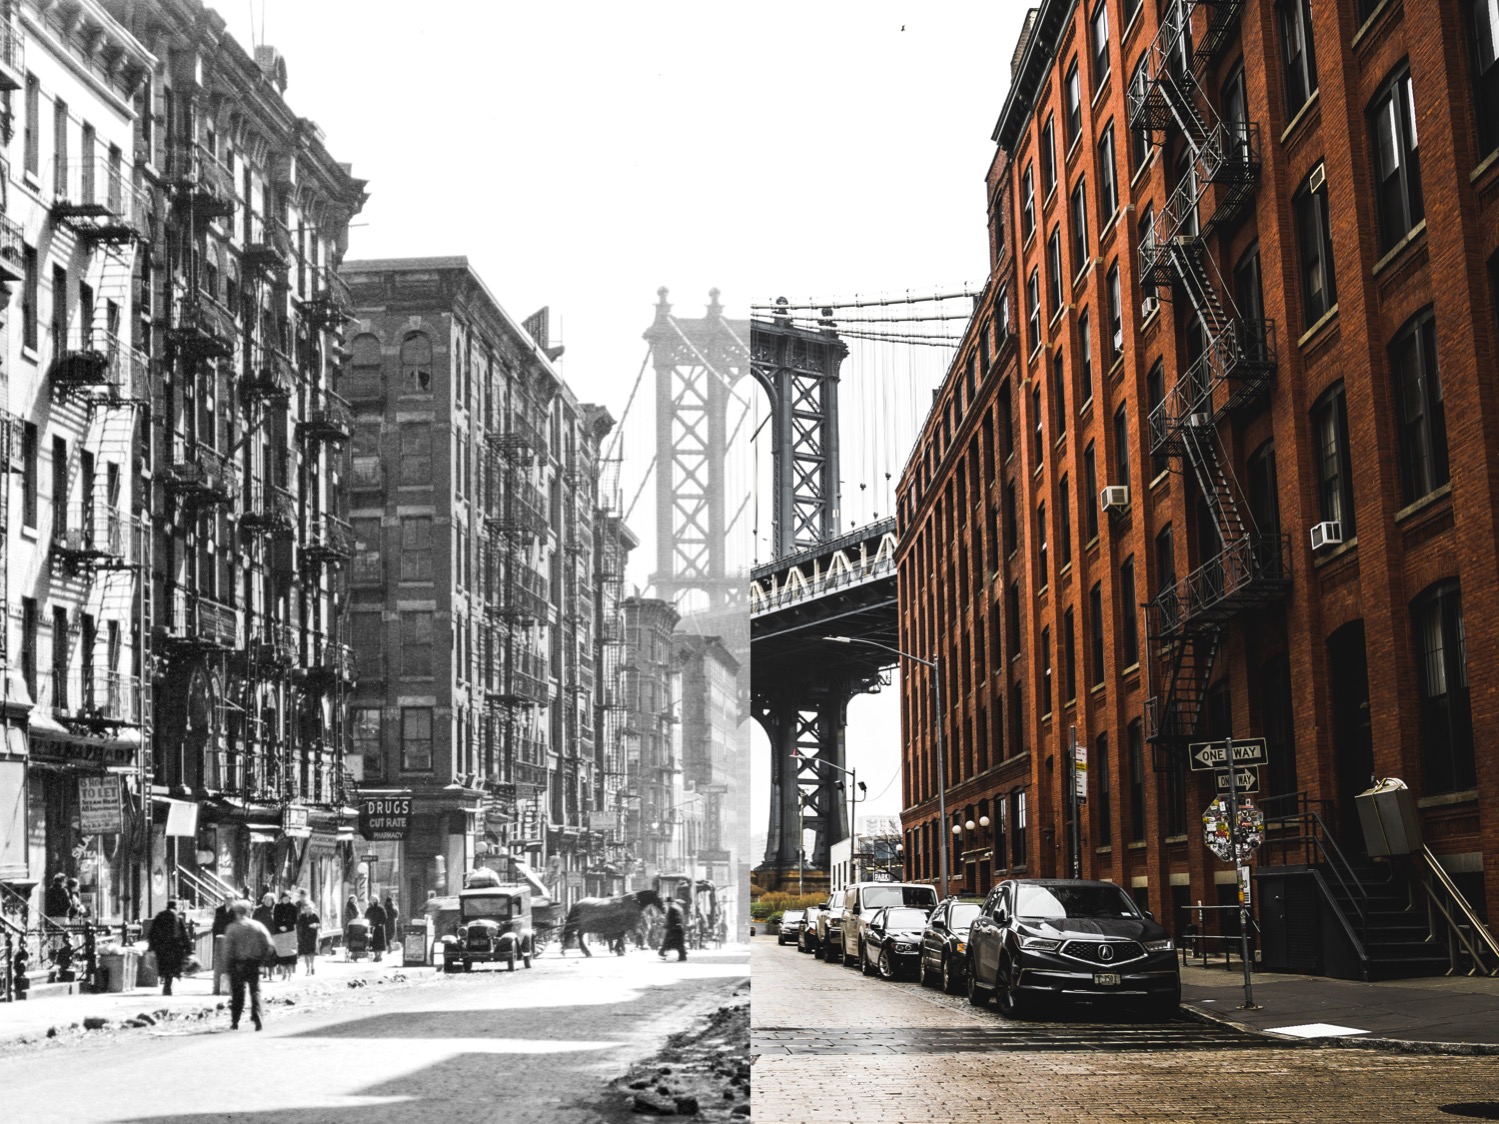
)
(1076, 834)
(1233, 834)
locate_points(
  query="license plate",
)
(1106, 979)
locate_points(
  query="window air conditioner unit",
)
(1327, 534)
(1199, 421)
(1149, 306)
(1114, 498)
(1318, 177)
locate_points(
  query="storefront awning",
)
(264, 834)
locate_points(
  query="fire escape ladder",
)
(1188, 660)
(1217, 481)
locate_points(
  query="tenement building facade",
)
(475, 594)
(1215, 455)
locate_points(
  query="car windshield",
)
(792, 915)
(876, 896)
(963, 915)
(488, 905)
(905, 918)
(1094, 902)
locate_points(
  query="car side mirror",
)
(938, 923)
(856, 908)
(1148, 915)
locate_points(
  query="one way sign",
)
(1214, 755)
(1245, 780)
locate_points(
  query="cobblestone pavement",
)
(1079, 1068)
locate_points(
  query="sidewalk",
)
(1433, 1014)
(32, 1018)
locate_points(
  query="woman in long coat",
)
(284, 915)
(265, 915)
(308, 924)
(379, 934)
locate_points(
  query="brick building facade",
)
(1243, 286)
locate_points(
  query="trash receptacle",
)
(119, 967)
(414, 943)
(146, 974)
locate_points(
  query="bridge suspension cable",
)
(857, 303)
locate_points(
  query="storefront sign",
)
(385, 817)
(112, 754)
(294, 821)
(99, 811)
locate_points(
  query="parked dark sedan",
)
(1069, 938)
(792, 923)
(944, 945)
(892, 939)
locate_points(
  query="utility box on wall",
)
(1387, 814)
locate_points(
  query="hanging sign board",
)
(385, 817)
(1080, 771)
(1206, 756)
(295, 823)
(99, 811)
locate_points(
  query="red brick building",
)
(1217, 455)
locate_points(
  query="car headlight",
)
(902, 948)
(1040, 944)
(1159, 946)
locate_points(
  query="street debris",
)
(702, 1072)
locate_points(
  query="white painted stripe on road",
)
(1315, 1030)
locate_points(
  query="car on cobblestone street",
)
(944, 944)
(792, 923)
(830, 931)
(862, 899)
(806, 940)
(892, 939)
(1064, 938)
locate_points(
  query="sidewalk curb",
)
(1351, 1042)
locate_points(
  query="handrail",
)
(1318, 842)
(1475, 924)
(201, 889)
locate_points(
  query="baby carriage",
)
(357, 939)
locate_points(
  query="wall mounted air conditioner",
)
(1149, 306)
(1114, 498)
(1327, 534)
(1199, 420)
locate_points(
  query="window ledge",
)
(1326, 318)
(1399, 248)
(1302, 114)
(1086, 408)
(1132, 25)
(1142, 169)
(1368, 25)
(1096, 689)
(1176, 839)
(1117, 365)
(29, 354)
(1483, 166)
(1050, 195)
(1327, 556)
(1443, 799)
(1436, 495)
(1056, 316)
(1160, 478)
(1101, 86)
(1152, 318)
(1132, 669)
(1077, 143)
(1106, 849)
(1138, 845)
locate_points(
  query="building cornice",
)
(1039, 54)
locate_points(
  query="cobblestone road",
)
(961, 1064)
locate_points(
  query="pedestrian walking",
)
(676, 930)
(247, 945)
(379, 934)
(308, 926)
(265, 917)
(283, 932)
(55, 902)
(392, 920)
(169, 941)
(351, 910)
(76, 908)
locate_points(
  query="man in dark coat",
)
(56, 903)
(247, 945)
(378, 920)
(171, 944)
(676, 930)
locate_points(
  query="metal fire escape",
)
(1187, 620)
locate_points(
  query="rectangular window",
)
(1069, 657)
(368, 561)
(60, 147)
(1100, 44)
(1139, 139)
(1012, 625)
(1012, 536)
(416, 548)
(1090, 490)
(1397, 161)
(1074, 88)
(1043, 570)
(364, 724)
(1064, 523)
(1121, 447)
(1483, 60)
(1027, 203)
(30, 473)
(1085, 357)
(1038, 420)
(1054, 271)
(1095, 634)
(1079, 227)
(29, 307)
(1297, 54)
(1108, 176)
(1017, 828)
(1043, 680)
(33, 125)
(1059, 395)
(1447, 758)
(1155, 395)
(1334, 476)
(1136, 745)
(1420, 409)
(416, 453)
(1033, 307)
(30, 623)
(416, 739)
(60, 658)
(416, 644)
(59, 486)
(1129, 615)
(1048, 160)
(1116, 315)
(1103, 814)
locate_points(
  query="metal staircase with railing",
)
(1187, 618)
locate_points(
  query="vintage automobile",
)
(494, 926)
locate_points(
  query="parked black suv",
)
(1067, 937)
(944, 945)
(792, 923)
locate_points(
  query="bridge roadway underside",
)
(801, 685)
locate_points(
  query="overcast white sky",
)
(582, 155)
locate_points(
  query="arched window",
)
(365, 350)
(416, 361)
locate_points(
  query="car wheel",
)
(887, 966)
(923, 976)
(978, 996)
(1012, 1001)
(844, 958)
(865, 964)
(949, 977)
(510, 960)
(468, 965)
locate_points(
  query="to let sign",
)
(99, 810)
(1214, 755)
(385, 817)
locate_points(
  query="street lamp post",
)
(853, 784)
(941, 755)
